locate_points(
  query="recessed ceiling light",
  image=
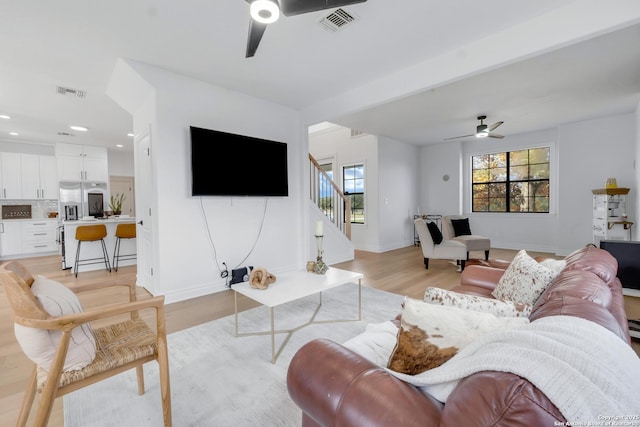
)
(79, 128)
(129, 134)
(119, 145)
(14, 133)
(4, 116)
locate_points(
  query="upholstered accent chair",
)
(457, 228)
(445, 249)
(68, 352)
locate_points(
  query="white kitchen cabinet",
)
(10, 238)
(82, 163)
(39, 177)
(39, 236)
(610, 221)
(10, 176)
(26, 237)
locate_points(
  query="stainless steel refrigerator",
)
(90, 198)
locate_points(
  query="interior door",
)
(124, 185)
(144, 235)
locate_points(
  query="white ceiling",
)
(300, 64)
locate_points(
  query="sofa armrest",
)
(481, 276)
(335, 386)
(499, 399)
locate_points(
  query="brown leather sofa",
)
(337, 387)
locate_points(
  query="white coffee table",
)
(291, 286)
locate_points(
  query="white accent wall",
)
(121, 163)
(398, 183)
(437, 195)
(185, 248)
(590, 152)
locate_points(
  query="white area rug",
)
(218, 379)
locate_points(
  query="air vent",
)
(337, 20)
(65, 134)
(71, 91)
(356, 133)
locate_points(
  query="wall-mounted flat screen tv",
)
(627, 253)
(227, 164)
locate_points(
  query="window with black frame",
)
(511, 181)
(353, 187)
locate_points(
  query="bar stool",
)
(123, 231)
(91, 233)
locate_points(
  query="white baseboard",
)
(631, 292)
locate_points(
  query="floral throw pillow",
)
(477, 303)
(524, 280)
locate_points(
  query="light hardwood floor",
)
(400, 271)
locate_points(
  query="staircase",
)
(329, 198)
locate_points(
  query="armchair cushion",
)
(524, 280)
(40, 344)
(436, 235)
(461, 227)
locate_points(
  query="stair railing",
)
(329, 198)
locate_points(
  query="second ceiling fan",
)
(265, 12)
(482, 130)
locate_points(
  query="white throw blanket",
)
(587, 371)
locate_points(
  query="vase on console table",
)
(320, 267)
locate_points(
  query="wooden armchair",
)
(120, 346)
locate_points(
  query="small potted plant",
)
(115, 203)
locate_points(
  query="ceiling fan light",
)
(264, 11)
(481, 129)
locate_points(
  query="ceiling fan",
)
(265, 12)
(482, 130)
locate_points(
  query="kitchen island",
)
(94, 250)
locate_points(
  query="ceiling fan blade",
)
(458, 137)
(298, 7)
(495, 125)
(495, 135)
(256, 30)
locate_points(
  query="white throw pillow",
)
(556, 265)
(524, 280)
(40, 344)
(477, 303)
(431, 334)
(375, 343)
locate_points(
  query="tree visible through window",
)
(513, 181)
(325, 190)
(353, 187)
